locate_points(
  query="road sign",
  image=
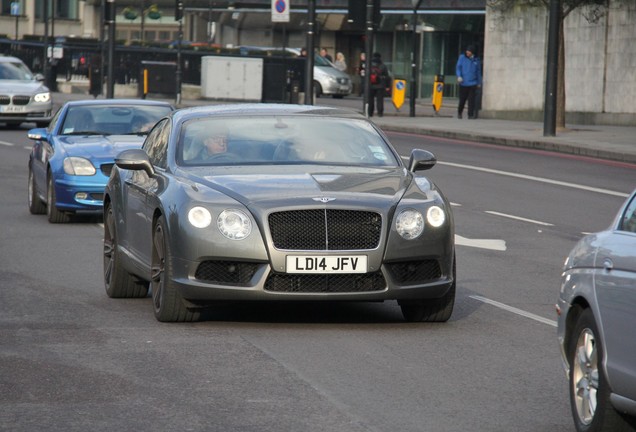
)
(280, 10)
(15, 8)
(397, 95)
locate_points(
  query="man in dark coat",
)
(378, 82)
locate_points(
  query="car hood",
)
(99, 146)
(17, 86)
(363, 187)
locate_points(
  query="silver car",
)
(597, 318)
(276, 202)
(23, 97)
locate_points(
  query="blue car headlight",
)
(78, 166)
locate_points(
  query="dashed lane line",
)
(519, 218)
(514, 310)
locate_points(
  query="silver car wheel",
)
(585, 376)
(158, 267)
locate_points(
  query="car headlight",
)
(409, 224)
(42, 97)
(78, 166)
(199, 217)
(435, 216)
(234, 224)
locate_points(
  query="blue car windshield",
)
(111, 119)
(294, 139)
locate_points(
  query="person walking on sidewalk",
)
(468, 72)
(378, 81)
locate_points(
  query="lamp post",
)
(110, 19)
(414, 52)
(368, 47)
(552, 71)
(179, 17)
(309, 65)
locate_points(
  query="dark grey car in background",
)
(307, 203)
(597, 326)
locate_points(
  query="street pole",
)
(368, 47)
(552, 70)
(45, 62)
(309, 63)
(102, 46)
(110, 85)
(414, 53)
(178, 98)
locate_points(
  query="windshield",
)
(111, 119)
(15, 71)
(282, 140)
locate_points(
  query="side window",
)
(629, 217)
(156, 144)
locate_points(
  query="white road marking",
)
(518, 218)
(514, 310)
(537, 179)
(8, 144)
(498, 245)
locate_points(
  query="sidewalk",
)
(616, 143)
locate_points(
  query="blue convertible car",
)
(70, 161)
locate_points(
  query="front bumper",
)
(257, 281)
(80, 193)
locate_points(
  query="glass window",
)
(156, 144)
(628, 222)
(112, 119)
(283, 140)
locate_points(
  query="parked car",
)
(596, 322)
(298, 203)
(23, 97)
(327, 79)
(71, 160)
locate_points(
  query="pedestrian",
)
(361, 69)
(468, 72)
(340, 62)
(324, 53)
(378, 79)
(303, 52)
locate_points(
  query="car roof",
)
(259, 109)
(110, 102)
(9, 59)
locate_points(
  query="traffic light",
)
(178, 10)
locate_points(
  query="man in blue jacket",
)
(468, 72)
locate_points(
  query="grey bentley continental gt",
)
(276, 202)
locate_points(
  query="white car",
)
(23, 96)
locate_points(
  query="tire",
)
(435, 310)
(317, 89)
(166, 300)
(13, 125)
(590, 403)
(54, 215)
(36, 206)
(117, 281)
(42, 124)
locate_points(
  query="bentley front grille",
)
(325, 229)
(226, 272)
(415, 271)
(325, 283)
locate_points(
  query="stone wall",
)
(600, 64)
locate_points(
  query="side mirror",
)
(135, 159)
(38, 77)
(38, 134)
(421, 160)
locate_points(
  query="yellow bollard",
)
(438, 93)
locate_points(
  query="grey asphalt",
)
(616, 143)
